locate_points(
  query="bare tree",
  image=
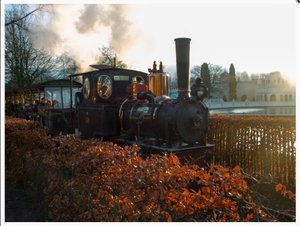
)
(25, 64)
(215, 71)
(107, 57)
(195, 72)
(17, 18)
(65, 65)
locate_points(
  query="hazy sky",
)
(255, 37)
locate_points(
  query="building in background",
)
(265, 87)
(274, 87)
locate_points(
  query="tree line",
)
(207, 76)
(212, 75)
(25, 64)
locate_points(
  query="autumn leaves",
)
(90, 180)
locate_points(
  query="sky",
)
(255, 37)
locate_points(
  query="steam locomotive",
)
(131, 106)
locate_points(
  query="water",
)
(267, 110)
(282, 110)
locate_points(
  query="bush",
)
(25, 144)
(90, 180)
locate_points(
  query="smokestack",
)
(183, 67)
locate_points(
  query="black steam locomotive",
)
(130, 106)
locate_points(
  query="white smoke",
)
(80, 30)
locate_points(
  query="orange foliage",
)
(25, 143)
(284, 192)
(90, 180)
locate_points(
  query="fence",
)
(262, 146)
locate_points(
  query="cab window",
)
(86, 88)
(104, 86)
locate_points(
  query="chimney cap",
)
(182, 38)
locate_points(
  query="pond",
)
(282, 110)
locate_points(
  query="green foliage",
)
(232, 83)
(206, 77)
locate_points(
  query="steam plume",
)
(80, 30)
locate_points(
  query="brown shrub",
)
(90, 180)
